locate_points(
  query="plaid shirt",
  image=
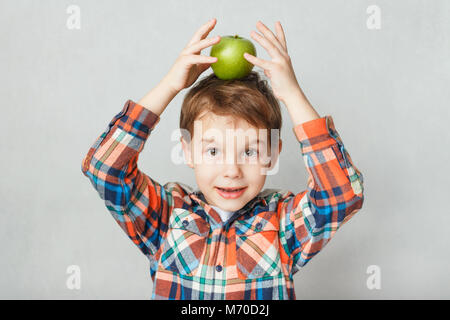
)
(192, 253)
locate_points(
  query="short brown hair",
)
(249, 98)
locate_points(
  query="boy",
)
(214, 243)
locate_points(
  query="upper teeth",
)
(230, 189)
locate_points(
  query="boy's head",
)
(221, 123)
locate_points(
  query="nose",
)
(232, 170)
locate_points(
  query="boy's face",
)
(225, 153)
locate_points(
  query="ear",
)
(187, 152)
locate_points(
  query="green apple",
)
(229, 52)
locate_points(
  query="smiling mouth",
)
(230, 193)
(231, 189)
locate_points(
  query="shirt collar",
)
(199, 197)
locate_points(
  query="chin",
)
(234, 205)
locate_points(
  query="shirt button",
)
(185, 223)
(218, 268)
(258, 226)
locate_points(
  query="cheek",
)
(253, 175)
(205, 174)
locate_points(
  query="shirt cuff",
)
(135, 117)
(316, 134)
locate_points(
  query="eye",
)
(214, 150)
(253, 152)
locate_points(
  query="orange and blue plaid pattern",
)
(192, 253)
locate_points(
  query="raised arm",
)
(334, 192)
(335, 186)
(140, 205)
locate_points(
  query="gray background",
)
(387, 90)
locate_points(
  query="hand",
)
(279, 70)
(190, 63)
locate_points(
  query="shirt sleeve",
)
(334, 192)
(139, 204)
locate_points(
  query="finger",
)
(195, 58)
(269, 35)
(266, 44)
(280, 34)
(199, 46)
(202, 32)
(257, 61)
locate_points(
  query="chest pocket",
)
(185, 242)
(257, 246)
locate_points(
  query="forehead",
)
(212, 120)
(213, 127)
